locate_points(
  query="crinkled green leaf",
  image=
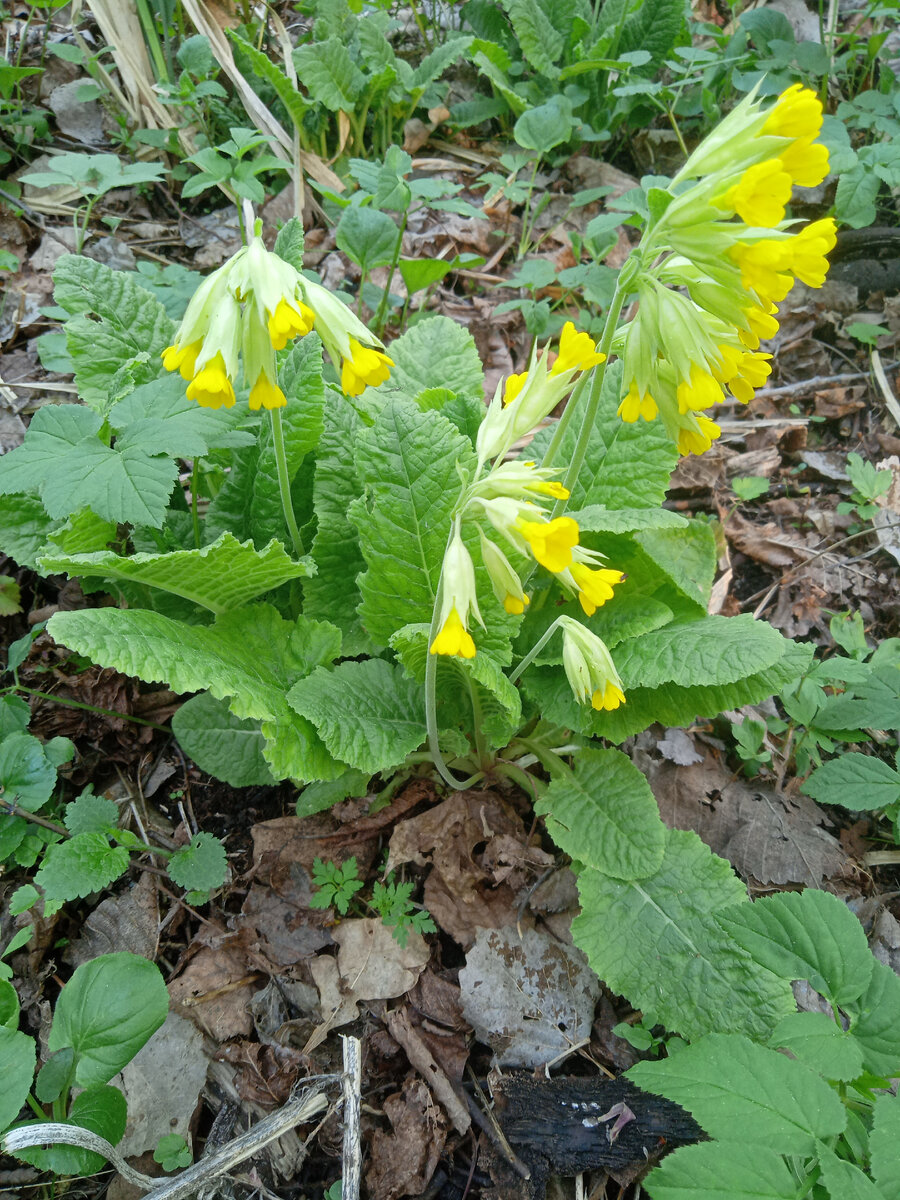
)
(444, 54)
(821, 1044)
(883, 1142)
(810, 935)
(225, 746)
(250, 656)
(542, 43)
(329, 74)
(855, 781)
(626, 466)
(264, 68)
(595, 518)
(437, 342)
(106, 1012)
(83, 533)
(201, 865)
(132, 324)
(24, 527)
(627, 617)
(370, 714)
(739, 1091)
(653, 27)
(604, 814)
(160, 419)
(300, 377)
(220, 577)
(729, 1170)
(333, 591)
(707, 652)
(655, 940)
(90, 814)
(17, 1060)
(875, 1021)
(687, 555)
(85, 863)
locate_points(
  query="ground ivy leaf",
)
(85, 863)
(722, 1171)
(655, 941)
(742, 1092)
(370, 714)
(221, 576)
(250, 657)
(200, 866)
(808, 935)
(603, 814)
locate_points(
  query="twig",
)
(351, 1156)
(421, 1058)
(884, 387)
(489, 1124)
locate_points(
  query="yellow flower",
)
(698, 392)
(609, 698)
(364, 368)
(762, 326)
(805, 161)
(182, 358)
(576, 351)
(797, 114)
(289, 320)
(266, 394)
(698, 436)
(551, 542)
(589, 667)
(514, 385)
(594, 587)
(635, 405)
(760, 196)
(762, 265)
(808, 250)
(211, 387)
(745, 372)
(453, 638)
(504, 580)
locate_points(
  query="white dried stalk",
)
(351, 1157)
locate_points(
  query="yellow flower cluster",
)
(717, 261)
(253, 305)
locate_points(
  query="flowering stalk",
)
(284, 481)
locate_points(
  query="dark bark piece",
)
(556, 1126)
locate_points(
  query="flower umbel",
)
(589, 667)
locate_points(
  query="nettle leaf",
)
(24, 528)
(884, 1139)
(160, 419)
(713, 650)
(369, 714)
(407, 461)
(250, 657)
(855, 781)
(219, 577)
(603, 814)
(729, 1170)
(821, 1044)
(110, 1007)
(333, 591)
(810, 935)
(626, 466)
(329, 74)
(300, 376)
(739, 1091)
(63, 457)
(85, 863)
(132, 324)
(17, 1062)
(225, 746)
(655, 940)
(437, 340)
(90, 814)
(201, 865)
(875, 1021)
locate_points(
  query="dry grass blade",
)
(121, 31)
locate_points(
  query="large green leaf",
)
(844, 1180)
(542, 43)
(329, 74)
(369, 714)
(408, 462)
(875, 1021)
(604, 815)
(655, 940)
(810, 935)
(626, 466)
(739, 1091)
(132, 327)
(855, 781)
(250, 657)
(653, 27)
(27, 772)
(333, 592)
(596, 518)
(722, 1171)
(225, 746)
(109, 1008)
(17, 1059)
(687, 555)
(883, 1142)
(442, 343)
(368, 237)
(220, 577)
(707, 652)
(160, 419)
(820, 1043)
(63, 457)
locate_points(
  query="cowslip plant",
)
(106, 1012)
(383, 579)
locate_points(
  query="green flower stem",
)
(195, 515)
(284, 482)
(29, 1099)
(534, 651)
(563, 423)
(103, 712)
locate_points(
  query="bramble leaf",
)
(819, 1043)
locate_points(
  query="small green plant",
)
(750, 738)
(93, 176)
(106, 1012)
(336, 885)
(172, 1152)
(868, 484)
(234, 166)
(749, 487)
